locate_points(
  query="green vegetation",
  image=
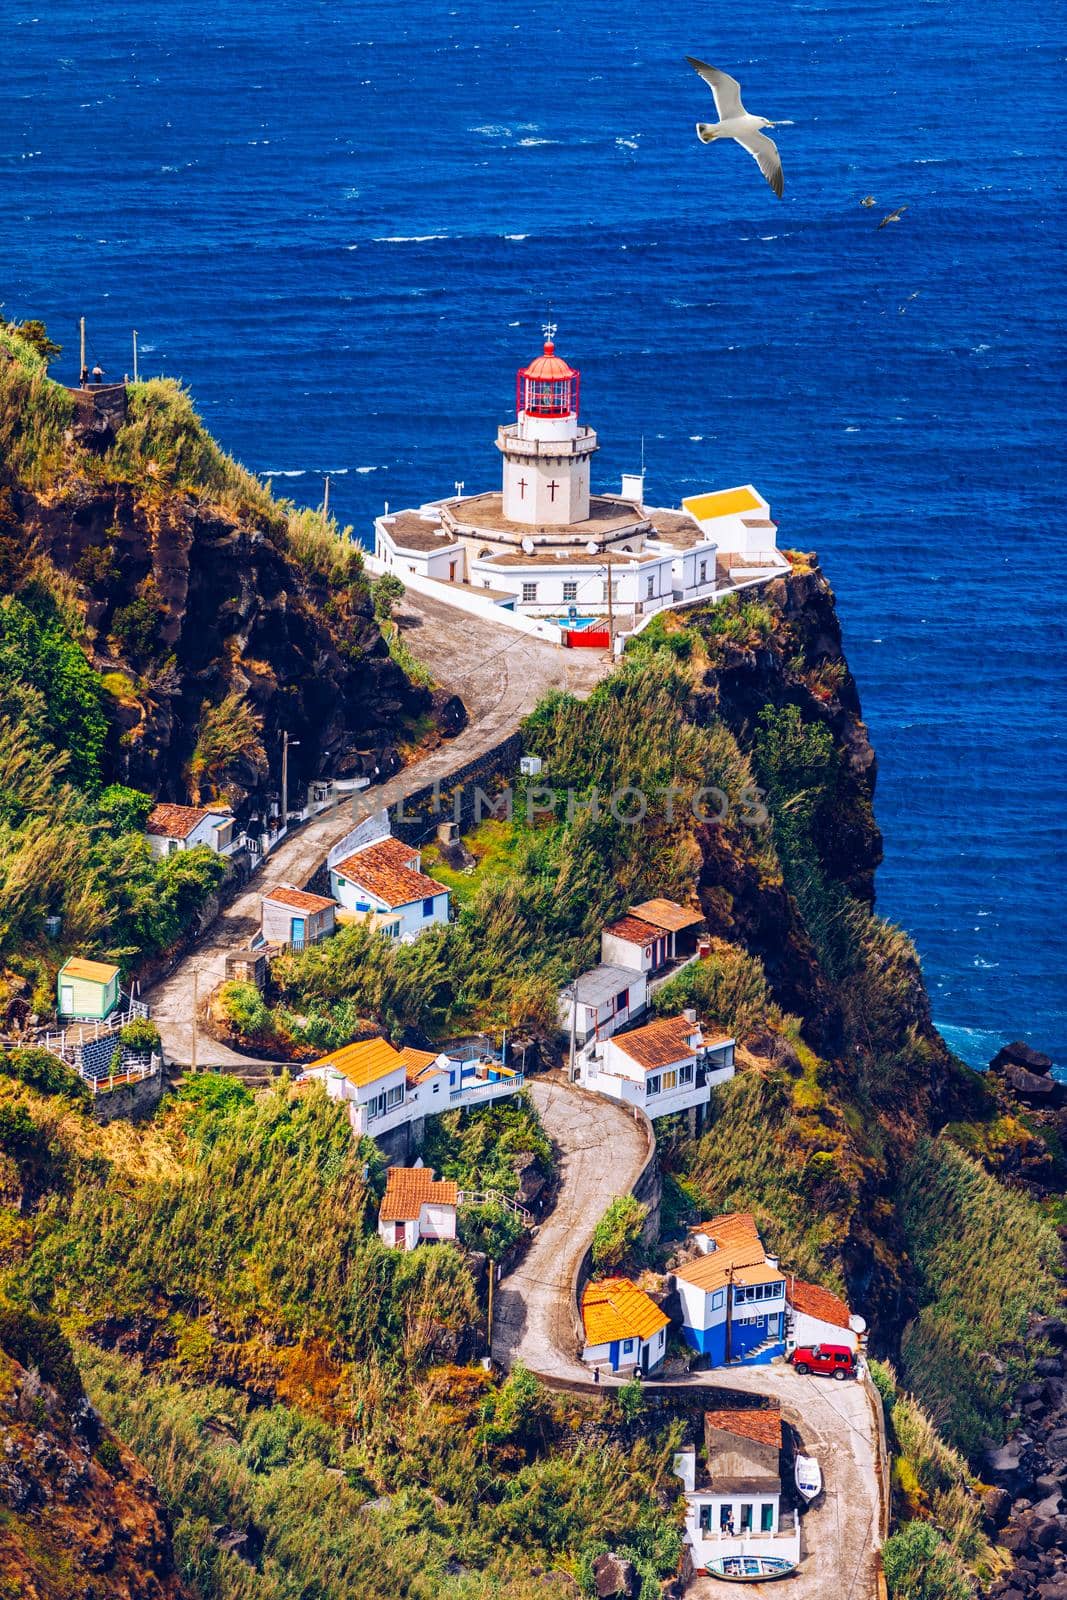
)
(728, 987)
(34, 412)
(938, 1550)
(617, 1233)
(295, 1378)
(44, 1072)
(987, 1260)
(478, 1149)
(324, 550)
(385, 591)
(229, 740)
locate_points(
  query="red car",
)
(833, 1360)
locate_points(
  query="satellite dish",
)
(591, 548)
(529, 546)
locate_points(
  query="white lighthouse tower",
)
(546, 450)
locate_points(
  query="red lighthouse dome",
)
(548, 387)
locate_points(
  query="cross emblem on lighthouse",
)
(553, 486)
(522, 488)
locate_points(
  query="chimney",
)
(633, 486)
(689, 1014)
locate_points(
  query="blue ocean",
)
(343, 225)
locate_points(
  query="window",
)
(341, 883)
(529, 593)
(395, 1095)
(717, 1299)
(685, 1074)
(570, 591)
(627, 1347)
(703, 572)
(650, 588)
(670, 1081)
(614, 594)
(622, 1000)
(427, 906)
(652, 1086)
(766, 1518)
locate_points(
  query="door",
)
(66, 999)
(766, 1517)
(746, 1518)
(296, 932)
(398, 1235)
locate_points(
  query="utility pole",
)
(729, 1347)
(286, 744)
(489, 1317)
(192, 1052)
(611, 614)
(326, 498)
(135, 355)
(83, 370)
(574, 1027)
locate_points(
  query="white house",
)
(384, 1088)
(732, 1294)
(625, 1330)
(733, 1498)
(172, 828)
(665, 1067)
(632, 942)
(416, 1209)
(607, 999)
(383, 882)
(817, 1316)
(370, 1077)
(292, 917)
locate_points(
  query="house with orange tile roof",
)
(733, 1487)
(293, 918)
(417, 1208)
(625, 1330)
(384, 1088)
(732, 1294)
(665, 1067)
(383, 882)
(171, 828)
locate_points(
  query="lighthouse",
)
(546, 450)
(542, 549)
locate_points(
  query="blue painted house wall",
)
(711, 1342)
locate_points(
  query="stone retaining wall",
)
(133, 1101)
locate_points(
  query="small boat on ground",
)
(750, 1569)
(807, 1475)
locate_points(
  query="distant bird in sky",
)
(868, 200)
(894, 216)
(735, 123)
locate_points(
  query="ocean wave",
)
(405, 238)
(516, 236)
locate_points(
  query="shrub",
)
(491, 1228)
(44, 1072)
(140, 1034)
(36, 1341)
(385, 592)
(618, 1231)
(920, 1565)
(631, 1398)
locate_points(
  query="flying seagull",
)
(894, 216)
(735, 123)
(868, 201)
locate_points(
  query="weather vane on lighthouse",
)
(549, 331)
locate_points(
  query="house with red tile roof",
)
(417, 1208)
(171, 828)
(818, 1316)
(293, 918)
(665, 1067)
(733, 1492)
(383, 882)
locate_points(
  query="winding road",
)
(602, 1153)
(498, 674)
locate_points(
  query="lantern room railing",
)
(546, 397)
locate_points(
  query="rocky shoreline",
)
(1026, 1501)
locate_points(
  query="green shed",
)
(87, 988)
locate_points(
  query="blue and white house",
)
(732, 1294)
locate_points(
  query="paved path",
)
(602, 1153)
(839, 1532)
(500, 675)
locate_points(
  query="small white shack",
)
(384, 883)
(625, 1330)
(294, 918)
(417, 1208)
(607, 999)
(733, 1505)
(172, 828)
